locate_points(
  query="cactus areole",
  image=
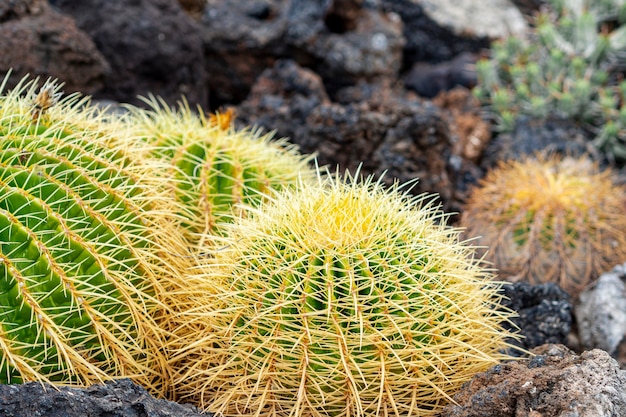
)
(77, 247)
(344, 299)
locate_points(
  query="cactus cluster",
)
(319, 294)
(566, 69)
(86, 234)
(216, 169)
(338, 298)
(549, 219)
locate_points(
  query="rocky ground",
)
(378, 83)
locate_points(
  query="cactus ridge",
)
(549, 219)
(340, 298)
(80, 248)
(217, 169)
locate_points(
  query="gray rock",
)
(601, 312)
(119, 398)
(478, 18)
(555, 383)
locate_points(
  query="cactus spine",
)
(85, 238)
(216, 168)
(342, 299)
(549, 219)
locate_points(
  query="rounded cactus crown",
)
(216, 167)
(341, 298)
(549, 219)
(84, 238)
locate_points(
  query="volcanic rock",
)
(120, 398)
(378, 127)
(544, 313)
(153, 46)
(38, 40)
(555, 383)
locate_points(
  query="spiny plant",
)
(86, 243)
(338, 298)
(566, 69)
(216, 168)
(549, 219)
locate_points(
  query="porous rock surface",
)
(35, 39)
(152, 46)
(120, 398)
(544, 313)
(554, 383)
(378, 127)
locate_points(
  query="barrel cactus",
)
(340, 298)
(87, 245)
(216, 169)
(549, 219)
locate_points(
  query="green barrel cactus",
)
(216, 169)
(549, 219)
(339, 298)
(86, 241)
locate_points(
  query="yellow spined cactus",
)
(549, 219)
(88, 245)
(338, 298)
(216, 169)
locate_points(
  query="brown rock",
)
(555, 383)
(39, 41)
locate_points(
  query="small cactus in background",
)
(217, 169)
(565, 70)
(549, 219)
(85, 246)
(342, 299)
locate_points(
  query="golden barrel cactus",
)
(338, 298)
(215, 168)
(88, 245)
(549, 219)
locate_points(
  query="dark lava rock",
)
(378, 127)
(555, 383)
(120, 398)
(37, 40)
(344, 41)
(428, 80)
(545, 313)
(555, 135)
(153, 46)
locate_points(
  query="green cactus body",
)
(217, 169)
(82, 248)
(339, 299)
(549, 219)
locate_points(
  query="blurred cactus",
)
(342, 299)
(549, 219)
(86, 234)
(565, 69)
